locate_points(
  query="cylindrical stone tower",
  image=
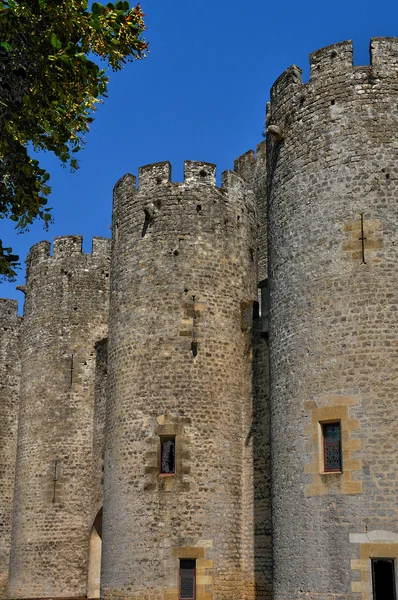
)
(10, 326)
(179, 372)
(66, 312)
(333, 256)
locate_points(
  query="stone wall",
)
(10, 325)
(65, 314)
(252, 168)
(179, 363)
(332, 180)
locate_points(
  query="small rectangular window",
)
(331, 433)
(168, 455)
(187, 579)
(383, 579)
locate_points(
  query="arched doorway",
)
(94, 561)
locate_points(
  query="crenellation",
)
(244, 165)
(67, 245)
(101, 247)
(198, 173)
(231, 180)
(332, 61)
(384, 56)
(285, 87)
(150, 176)
(38, 253)
(331, 69)
(123, 195)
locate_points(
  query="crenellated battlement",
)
(8, 310)
(157, 204)
(333, 66)
(154, 174)
(157, 174)
(336, 59)
(66, 247)
(247, 165)
(195, 173)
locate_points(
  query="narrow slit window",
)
(187, 579)
(168, 455)
(383, 579)
(331, 433)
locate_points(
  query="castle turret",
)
(10, 324)
(65, 315)
(179, 371)
(333, 255)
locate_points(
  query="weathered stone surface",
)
(66, 311)
(333, 334)
(191, 355)
(183, 272)
(10, 325)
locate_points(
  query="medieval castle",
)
(205, 408)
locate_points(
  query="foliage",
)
(49, 87)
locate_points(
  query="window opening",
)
(187, 579)
(332, 446)
(168, 455)
(383, 578)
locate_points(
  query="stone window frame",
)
(167, 425)
(373, 544)
(332, 408)
(204, 569)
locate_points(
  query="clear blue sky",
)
(199, 95)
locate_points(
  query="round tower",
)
(65, 314)
(179, 372)
(333, 255)
(10, 325)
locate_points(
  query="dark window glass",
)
(187, 579)
(332, 446)
(383, 577)
(167, 456)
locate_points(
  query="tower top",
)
(335, 63)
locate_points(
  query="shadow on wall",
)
(261, 463)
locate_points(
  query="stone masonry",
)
(238, 322)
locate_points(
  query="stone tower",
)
(10, 326)
(333, 256)
(66, 311)
(180, 376)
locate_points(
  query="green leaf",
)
(58, 94)
(6, 46)
(55, 43)
(96, 8)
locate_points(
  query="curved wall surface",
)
(333, 250)
(66, 312)
(10, 366)
(182, 290)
